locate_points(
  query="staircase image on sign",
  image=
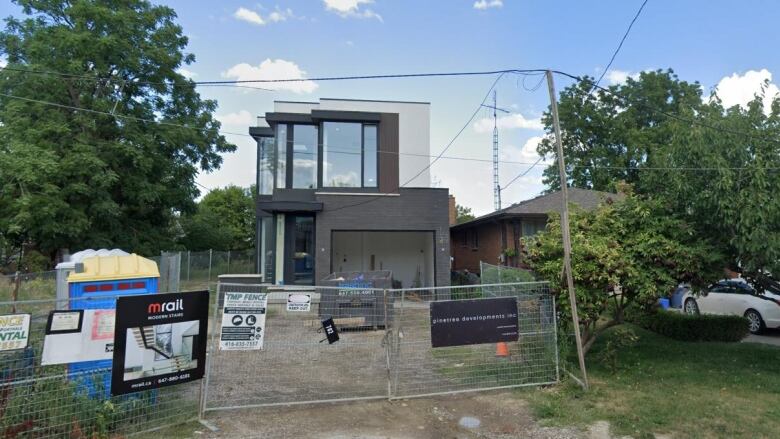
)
(160, 349)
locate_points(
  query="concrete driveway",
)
(770, 336)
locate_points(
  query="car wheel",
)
(755, 322)
(691, 307)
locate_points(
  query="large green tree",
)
(224, 220)
(716, 168)
(118, 174)
(608, 134)
(634, 245)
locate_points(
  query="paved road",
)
(770, 336)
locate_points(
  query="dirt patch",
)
(498, 415)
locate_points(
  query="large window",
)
(281, 156)
(349, 155)
(266, 157)
(304, 155)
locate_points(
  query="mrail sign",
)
(159, 340)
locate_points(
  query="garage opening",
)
(409, 255)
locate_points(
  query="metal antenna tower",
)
(496, 186)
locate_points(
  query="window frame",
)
(321, 158)
(320, 180)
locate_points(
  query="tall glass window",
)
(280, 159)
(349, 155)
(265, 163)
(304, 162)
(369, 156)
(341, 151)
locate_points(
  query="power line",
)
(622, 40)
(532, 72)
(452, 141)
(440, 156)
(522, 174)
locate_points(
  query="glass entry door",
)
(299, 250)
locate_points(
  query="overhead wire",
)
(438, 156)
(622, 40)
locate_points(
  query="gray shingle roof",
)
(543, 204)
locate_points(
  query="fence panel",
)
(49, 402)
(296, 364)
(420, 370)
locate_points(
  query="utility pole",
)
(565, 227)
(496, 186)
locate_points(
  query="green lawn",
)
(691, 390)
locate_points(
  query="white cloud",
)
(351, 8)
(741, 89)
(525, 154)
(280, 15)
(273, 69)
(615, 77)
(487, 4)
(189, 74)
(249, 16)
(242, 118)
(485, 125)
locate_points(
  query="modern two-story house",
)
(344, 185)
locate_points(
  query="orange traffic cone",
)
(502, 349)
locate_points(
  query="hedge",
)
(688, 327)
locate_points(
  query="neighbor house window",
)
(349, 153)
(304, 156)
(533, 226)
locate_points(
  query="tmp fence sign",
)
(243, 321)
(465, 322)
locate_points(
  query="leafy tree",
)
(715, 167)
(723, 176)
(632, 244)
(224, 220)
(463, 214)
(78, 179)
(606, 135)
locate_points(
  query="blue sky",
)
(701, 40)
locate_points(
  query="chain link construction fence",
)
(384, 351)
(50, 401)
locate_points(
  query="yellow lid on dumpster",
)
(101, 268)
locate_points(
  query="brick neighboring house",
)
(491, 237)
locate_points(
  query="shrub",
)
(688, 327)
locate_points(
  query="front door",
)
(299, 250)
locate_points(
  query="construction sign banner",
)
(14, 331)
(160, 340)
(78, 335)
(243, 321)
(465, 322)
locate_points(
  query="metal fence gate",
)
(391, 357)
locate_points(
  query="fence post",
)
(228, 264)
(188, 265)
(209, 281)
(388, 348)
(15, 297)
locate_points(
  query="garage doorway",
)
(409, 255)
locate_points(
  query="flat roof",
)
(375, 100)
